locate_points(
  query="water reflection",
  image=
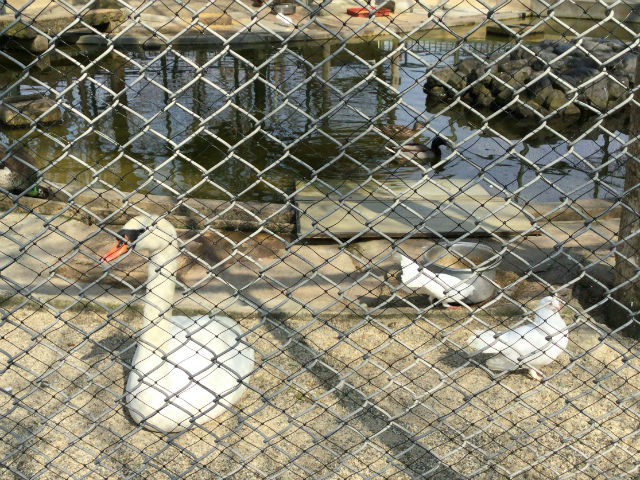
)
(219, 124)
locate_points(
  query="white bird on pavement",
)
(439, 286)
(529, 346)
(186, 370)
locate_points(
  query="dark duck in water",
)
(419, 152)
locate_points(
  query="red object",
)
(365, 12)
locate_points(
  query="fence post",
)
(627, 267)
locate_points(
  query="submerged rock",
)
(22, 111)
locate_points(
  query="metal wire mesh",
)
(231, 244)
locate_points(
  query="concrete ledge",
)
(94, 205)
(584, 208)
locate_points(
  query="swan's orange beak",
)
(119, 249)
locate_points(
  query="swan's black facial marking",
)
(129, 235)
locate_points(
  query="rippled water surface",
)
(217, 124)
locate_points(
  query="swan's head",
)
(142, 233)
(550, 302)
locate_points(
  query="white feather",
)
(532, 345)
(439, 286)
(186, 370)
(284, 19)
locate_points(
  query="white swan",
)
(185, 369)
(529, 346)
(439, 286)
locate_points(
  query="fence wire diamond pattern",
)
(318, 240)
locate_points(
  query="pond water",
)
(219, 124)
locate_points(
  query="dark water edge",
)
(224, 124)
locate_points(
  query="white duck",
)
(185, 369)
(439, 286)
(529, 346)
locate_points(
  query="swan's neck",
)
(158, 301)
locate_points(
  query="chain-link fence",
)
(319, 239)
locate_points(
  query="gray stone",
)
(576, 77)
(627, 63)
(602, 47)
(105, 19)
(561, 47)
(504, 95)
(602, 57)
(590, 43)
(548, 89)
(469, 98)
(578, 63)
(522, 76)
(546, 44)
(597, 94)
(542, 96)
(444, 77)
(469, 66)
(483, 97)
(39, 44)
(571, 110)
(541, 89)
(501, 80)
(555, 100)
(35, 44)
(537, 107)
(488, 81)
(512, 65)
(526, 111)
(485, 101)
(616, 90)
(541, 62)
(547, 55)
(542, 82)
(537, 65)
(480, 89)
(438, 91)
(617, 45)
(521, 53)
(576, 52)
(497, 57)
(627, 79)
(458, 82)
(92, 40)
